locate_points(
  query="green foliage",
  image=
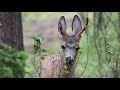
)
(37, 45)
(6, 72)
(12, 62)
(39, 54)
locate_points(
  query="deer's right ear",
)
(62, 26)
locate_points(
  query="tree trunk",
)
(11, 32)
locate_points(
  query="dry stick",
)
(87, 50)
(87, 59)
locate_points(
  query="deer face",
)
(70, 49)
(70, 44)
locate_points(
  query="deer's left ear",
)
(76, 26)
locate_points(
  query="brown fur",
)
(53, 67)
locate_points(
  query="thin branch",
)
(87, 52)
(85, 66)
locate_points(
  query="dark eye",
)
(77, 48)
(63, 47)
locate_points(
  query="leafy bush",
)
(12, 62)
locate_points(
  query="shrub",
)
(12, 62)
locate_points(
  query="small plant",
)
(38, 55)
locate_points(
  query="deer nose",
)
(68, 58)
(69, 61)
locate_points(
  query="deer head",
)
(70, 44)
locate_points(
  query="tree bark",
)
(11, 32)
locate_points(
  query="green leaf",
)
(42, 58)
(43, 50)
(37, 40)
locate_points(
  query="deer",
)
(63, 65)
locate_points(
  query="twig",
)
(87, 55)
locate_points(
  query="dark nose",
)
(68, 58)
(69, 61)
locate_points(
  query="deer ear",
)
(62, 26)
(76, 25)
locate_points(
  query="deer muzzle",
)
(69, 61)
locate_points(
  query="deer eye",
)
(63, 47)
(77, 48)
